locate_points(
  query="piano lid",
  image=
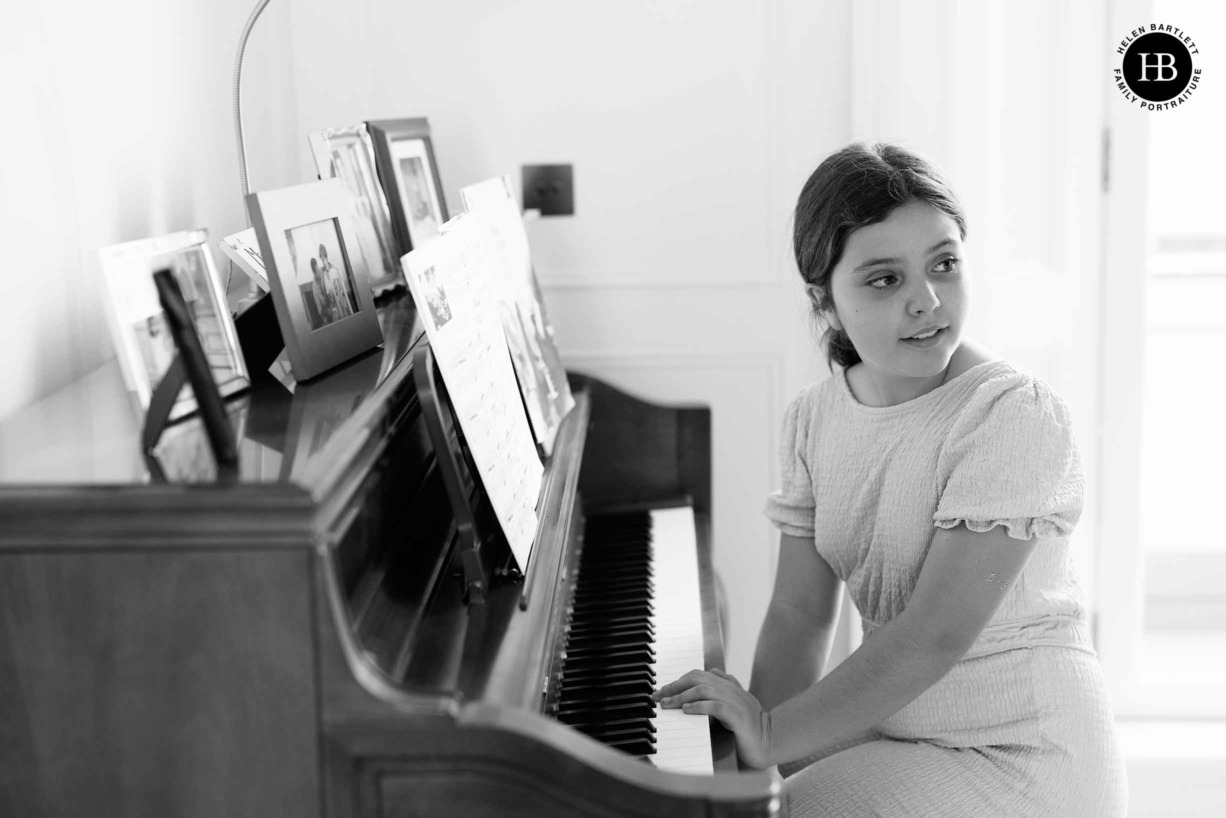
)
(88, 433)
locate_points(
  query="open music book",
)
(450, 278)
(542, 378)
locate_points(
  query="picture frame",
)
(243, 250)
(139, 330)
(348, 154)
(408, 172)
(318, 277)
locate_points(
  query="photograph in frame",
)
(538, 366)
(348, 154)
(317, 274)
(408, 172)
(139, 329)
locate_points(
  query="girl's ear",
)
(824, 308)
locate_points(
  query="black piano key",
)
(611, 573)
(615, 521)
(643, 725)
(587, 647)
(600, 702)
(623, 554)
(608, 597)
(620, 657)
(626, 710)
(584, 629)
(620, 648)
(597, 677)
(635, 619)
(574, 677)
(572, 691)
(635, 747)
(603, 670)
(609, 634)
(633, 593)
(615, 608)
(635, 586)
(624, 733)
(633, 583)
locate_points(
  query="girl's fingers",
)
(684, 683)
(714, 709)
(697, 693)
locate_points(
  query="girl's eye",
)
(949, 265)
(881, 282)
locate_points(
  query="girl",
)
(940, 485)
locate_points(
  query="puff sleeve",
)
(1011, 460)
(791, 508)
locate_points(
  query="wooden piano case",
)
(297, 641)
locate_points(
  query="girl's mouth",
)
(929, 341)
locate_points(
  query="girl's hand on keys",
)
(719, 695)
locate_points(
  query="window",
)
(1162, 546)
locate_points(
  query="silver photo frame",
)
(408, 171)
(139, 329)
(318, 276)
(348, 154)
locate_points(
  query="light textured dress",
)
(1021, 726)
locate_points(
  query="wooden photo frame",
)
(408, 171)
(318, 276)
(139, 329)
(348, 154)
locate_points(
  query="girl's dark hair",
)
(859, 185)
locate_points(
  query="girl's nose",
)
(923, 299)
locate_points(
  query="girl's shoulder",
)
(969, 355)
(811, 407)
(1007, 398)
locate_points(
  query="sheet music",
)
(542, 378)
(451, 282)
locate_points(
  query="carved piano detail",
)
(310, 643)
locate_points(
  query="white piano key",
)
(683, 741)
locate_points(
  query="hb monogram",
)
(1163, 62)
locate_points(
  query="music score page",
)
(451, 280)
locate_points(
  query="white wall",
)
(691, 127)
(118, 127)
(1009, 102)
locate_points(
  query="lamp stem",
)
(238, 102)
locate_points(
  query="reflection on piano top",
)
(89, 432)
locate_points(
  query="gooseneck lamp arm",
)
(238, 102)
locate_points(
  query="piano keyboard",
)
(636, 624)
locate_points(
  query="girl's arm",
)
(795, 636)
(961, 584)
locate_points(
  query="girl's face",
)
(898, 279)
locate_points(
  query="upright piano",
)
(337, 631)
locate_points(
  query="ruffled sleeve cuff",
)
(791, 516)
(791, 508)
(1019, 528)
(1011, 460)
